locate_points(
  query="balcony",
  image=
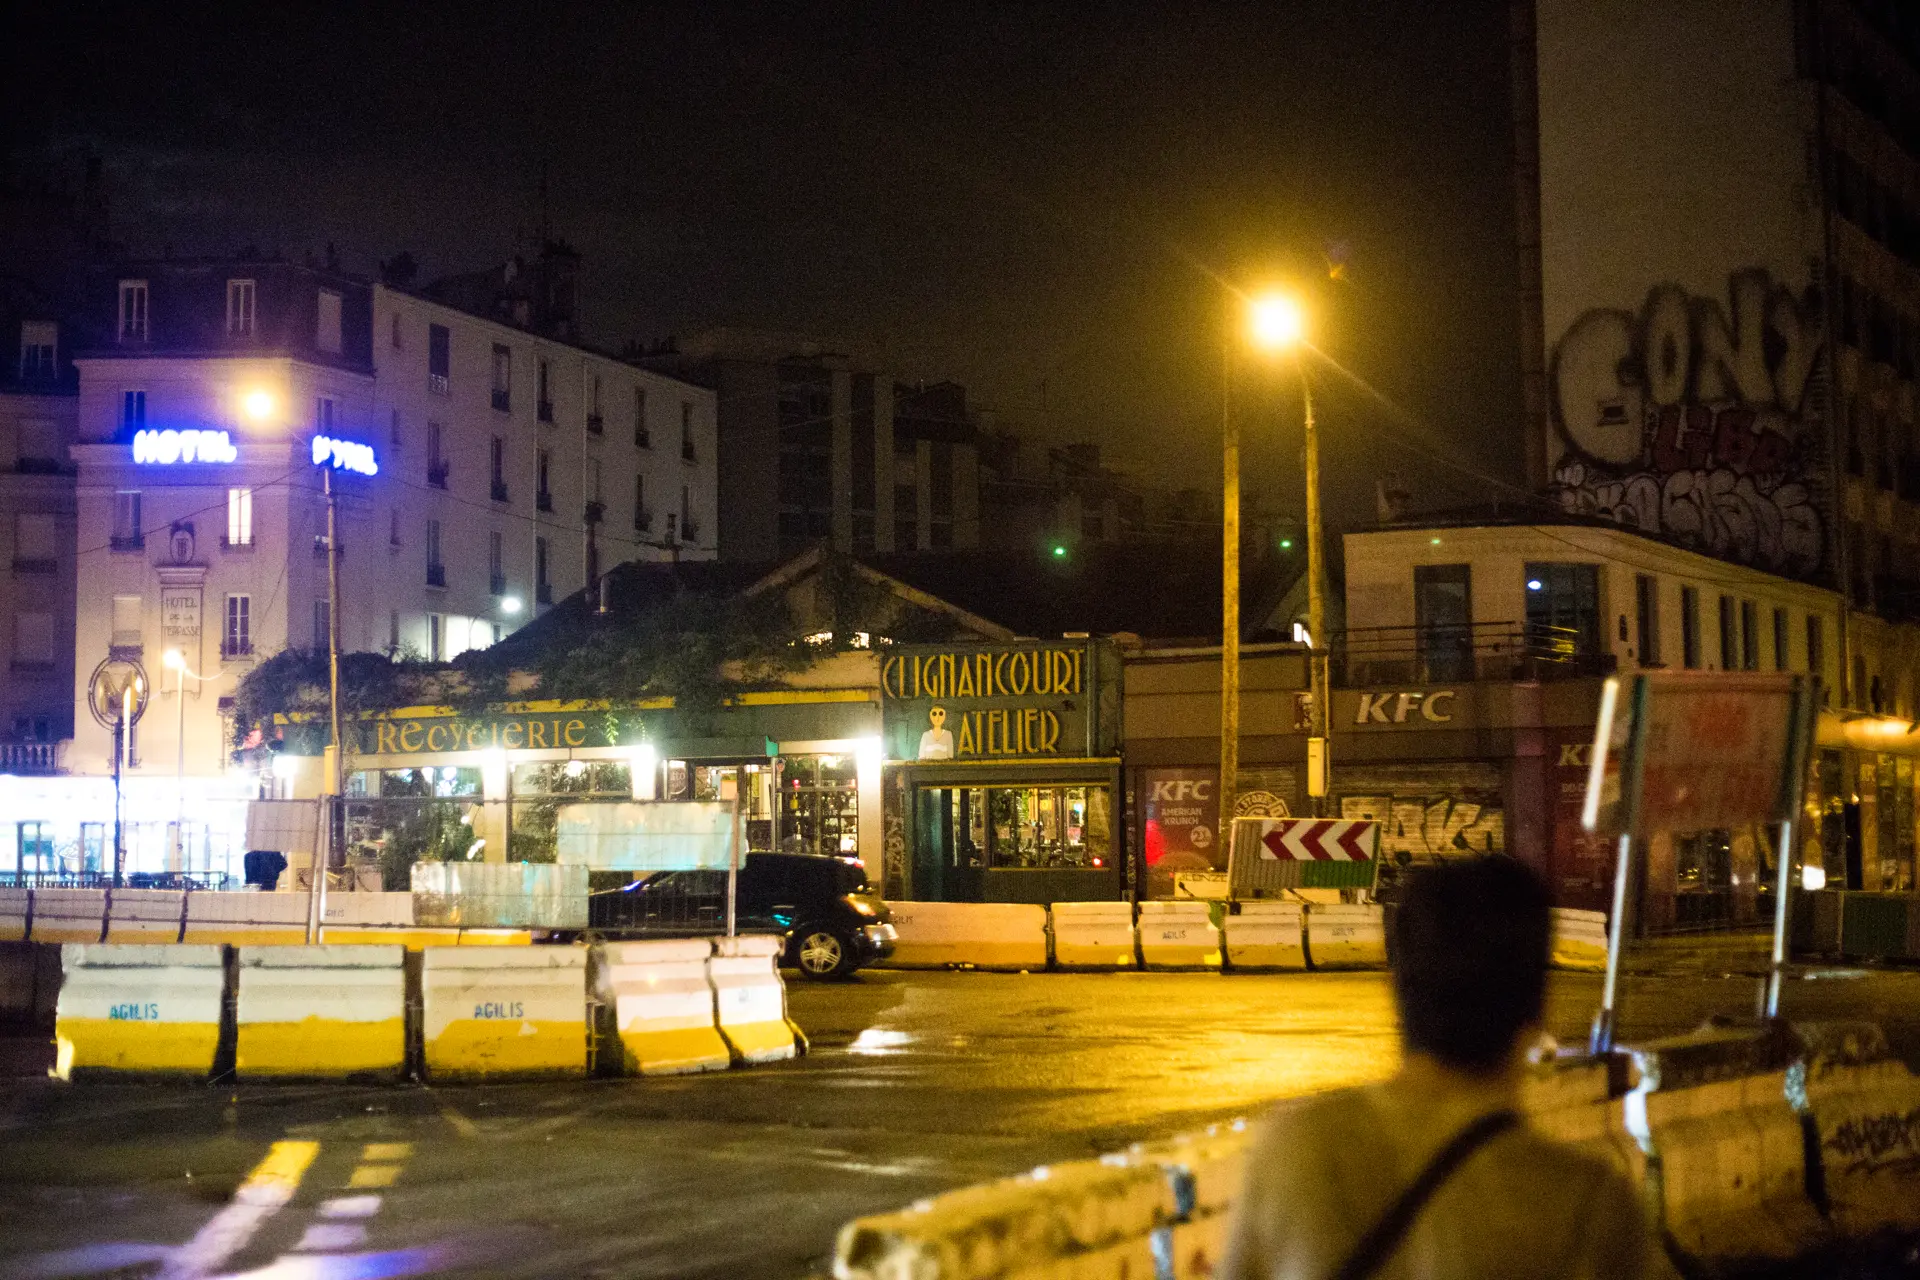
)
(596, 425)
(436, 575)
(503, 400)
(437, 384)
(595, 512)
(544, 500)
(236, 647)
(27, 565)
(1505, 651)
(231, 547)
(543, 410)
(500, 491)
(437, 474)
(543, 593)
(29, 757)
(128, 542)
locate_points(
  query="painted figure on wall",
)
(1687, 424)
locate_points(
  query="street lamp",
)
(1276, 323)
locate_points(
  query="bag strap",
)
(1379, 1244)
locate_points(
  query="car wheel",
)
(821, 954)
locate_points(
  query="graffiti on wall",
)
(1691, 423)
(1426, 827)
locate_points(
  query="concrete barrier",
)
(321, 1011)
(1579, 940)
(138, 1009)
(386, 910)
(981, 935)
(1861, 1106)
(488, 1012)
(1346, 936)
(145, 915)
(246, 919)
(1267, 935)
(16, 906)
(751, 999)
(663, 1006)
(69, 915)
(1092, 935)
(1178, 935)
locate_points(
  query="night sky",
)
(1045, 202)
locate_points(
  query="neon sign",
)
(170, 446)
(344, 455)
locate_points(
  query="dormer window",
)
(133, 311)
(327, 336)
(240, 308)
(39, 350)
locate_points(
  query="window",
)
(1749, 636)
(393, 527)
(240, 309)
(1443, 620)
(595, 423)
(543, 493)
(1729, 637)
(127, 534)
(497, 467)
(238, 640)
(1690, 627)
(642, 518)
(689, 529)
(642, 438)
(322, 629)
(673, 527)
(436, 570)
(1782, 655)
(133, 311)
(39, 348)
(436, 637)
(393, 432)
(34, 847)
(1051, 826)
(133, 410)
(323, 415)
(127, 611)
(439, 358)
(239, 517)
(327, 332)
(394, 332)
(593, 480)
(93, 846)
(436, 463)
(1563, 609)
(496, 564)
(686, 431)
(1646, 599)
(1816, 646)
(502, 378)
(393, 630)
(542, 588)
(543, 391)
(36, 543)
(33, 642)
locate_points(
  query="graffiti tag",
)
(1425, 827)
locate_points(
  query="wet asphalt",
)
(917, 1082)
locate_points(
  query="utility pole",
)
(331, 811)
(1319, 765)
(1229, 600)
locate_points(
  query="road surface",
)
(917, 1083)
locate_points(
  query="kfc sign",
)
(1411, 705)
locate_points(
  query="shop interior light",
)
(576, 767)
(1813, 877)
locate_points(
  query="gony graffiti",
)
(1685, 424)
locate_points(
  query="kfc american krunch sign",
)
(988, 702)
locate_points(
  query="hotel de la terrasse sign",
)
(1005, 701)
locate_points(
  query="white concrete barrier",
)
(1267, 935)
(983, 935)
(1579, 940)
(246, 919)
(382, 910)
(1862, 1105)
(321, 1011)
(1346, 936)
(752, 999)
(144, 915)
(69, 915)
(15, 906)
(504, 1011)
(138, 1009)
(663, 1006)
(1092, 935)
(1178, 935)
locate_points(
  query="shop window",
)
(35, 847)
(1027, 828)
(819, 805)
(396, 817)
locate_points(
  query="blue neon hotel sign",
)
(345, 455)
(169, 447)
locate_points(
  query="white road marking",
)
(349, 1207)
(265, 1192)
(332, 1235)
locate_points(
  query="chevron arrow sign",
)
(1319, 840)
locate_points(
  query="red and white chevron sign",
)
(1320, 840)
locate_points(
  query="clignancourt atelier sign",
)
(1003, 701)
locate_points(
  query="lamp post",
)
(1275, 323)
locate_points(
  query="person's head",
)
(1470, 960)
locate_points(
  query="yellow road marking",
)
(386, 1151)
(461, 1125)
(267, 1189)
(373, 1175)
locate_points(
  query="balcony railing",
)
(436, 575)
(543, 593)
(595, 512)
(1366, 656)
(503, 400)
(437, 474)
(236, 647)
(32, 565)
(596, 425)
(543, 410)
(29, 757)
(128, 542)
(642, 521)
(544, 500)
(497, 584)
(500, 491)
(437, 384)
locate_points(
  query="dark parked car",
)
(833, 919)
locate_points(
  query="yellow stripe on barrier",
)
(672, 1052)
(108, 1045)
(522, 1047)
(320, 1047)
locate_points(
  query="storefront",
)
(1003, 772)
(432, 783)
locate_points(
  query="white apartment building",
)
(510, 468)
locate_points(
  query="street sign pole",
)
(1800, 746)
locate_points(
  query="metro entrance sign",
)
(1302, 853)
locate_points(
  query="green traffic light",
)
(1286, 544)
(1059, 551)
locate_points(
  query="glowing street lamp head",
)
(172, 660)
(257, 404)
(510, 604)
(1277, 322)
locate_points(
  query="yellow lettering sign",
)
(576, 732)
(512, 733)
(410, 736)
